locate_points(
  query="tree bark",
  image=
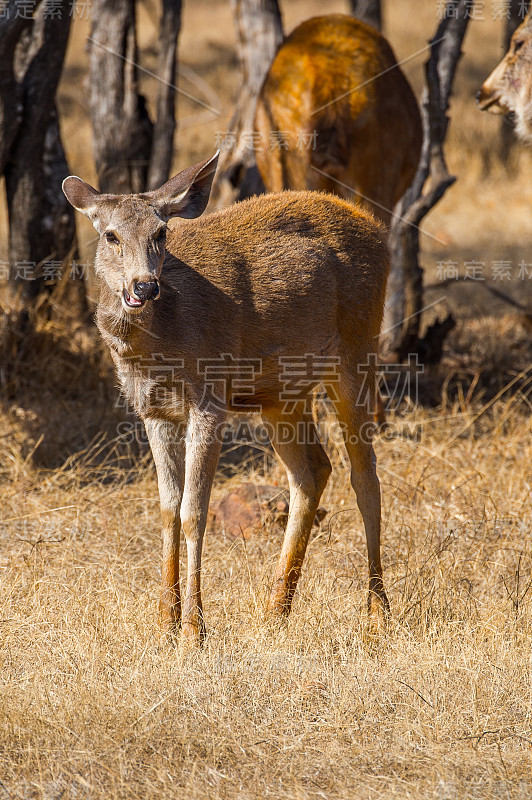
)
(405, 285)
(12, 27)
(369, 11)
(122, 129)
(259, 34)
(164, 128)
(131, 152)
(41, 226)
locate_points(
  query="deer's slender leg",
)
(355, 412)
(167, 442)
(308, 468)
(202, 452)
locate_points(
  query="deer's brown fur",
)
(276, 276)
(335, 101)
(508, 89)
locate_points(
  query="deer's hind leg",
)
(355, 406)
(295, 440)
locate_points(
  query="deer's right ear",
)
(83, 197)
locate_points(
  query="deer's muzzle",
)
(490, 101)
(142, 292)
(146, 290)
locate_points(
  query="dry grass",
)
(94, 705)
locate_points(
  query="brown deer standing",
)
(336, 114)
(509, 87)
(289, 276)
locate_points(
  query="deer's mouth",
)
(495, 106)
(492, 103)
(131, 303)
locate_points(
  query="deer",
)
(508, 89)
(273, 279)
(335, 113)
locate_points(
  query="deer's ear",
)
(84, 198)
(186, 194)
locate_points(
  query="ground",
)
(94, 704)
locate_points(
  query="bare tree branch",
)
(405, 286)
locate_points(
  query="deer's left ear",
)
(187, 194)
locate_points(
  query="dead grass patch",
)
(94, 704)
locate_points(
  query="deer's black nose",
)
(146, 290)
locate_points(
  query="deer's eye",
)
(518, 45)
(111, 237)
(161, 236)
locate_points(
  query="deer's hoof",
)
(378, 612)
(192, 636)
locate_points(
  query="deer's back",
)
(335, 101)
(296, 271)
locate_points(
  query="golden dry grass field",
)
(94, 704)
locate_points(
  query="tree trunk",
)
(131, 153)
(369, 11)
(404, 303)
(164, 128)
(41, 225)
(122, 129)
(12, 26)
(516, 12)
(259, 34)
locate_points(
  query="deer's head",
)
(509, 87)
(132, 228)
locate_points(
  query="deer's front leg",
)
(202, 452)
(167, 442)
